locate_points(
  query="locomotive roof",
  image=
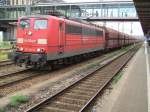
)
(36, 16)
(74, 20)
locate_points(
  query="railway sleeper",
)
(65, 103)
(71, 100)
(93, 84)
(89, 86)
(100, 75)
(90, 83)
(85, 89)
(94, 81)
(76, 96)
(81, 92)
(102, 80)
(89, 79)
(68, 107)
(54, 109)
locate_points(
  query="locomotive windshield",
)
(25, 23)
(40, 24)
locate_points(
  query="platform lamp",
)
(131, 29)
(118, 28)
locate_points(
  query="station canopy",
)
(143, 11)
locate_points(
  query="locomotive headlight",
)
(38, 49)
(29, 33)
(21, 49)
(20, 40)
(42, 41)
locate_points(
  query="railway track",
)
(13, 73)
(8, 68)
(76, 97)
(14, 79)
(5, 63)
(13, 82)
(11, 78)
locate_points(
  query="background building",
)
(51, 1)
(25, 2)
(20, 2)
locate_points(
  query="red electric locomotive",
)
(41, 39)
(44, 38)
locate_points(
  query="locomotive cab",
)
(32, 39)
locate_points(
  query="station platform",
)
(133, 95)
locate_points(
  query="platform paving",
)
(133, 94)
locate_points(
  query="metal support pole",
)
(118, 33)
(104, 11)
(86, 14)
(107, 11)
(101, 10)
(118, 10)
(92, 12)
(118, 26)
(28, 9)
(70, 11)
(131, 29)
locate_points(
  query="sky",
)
(123, 27)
